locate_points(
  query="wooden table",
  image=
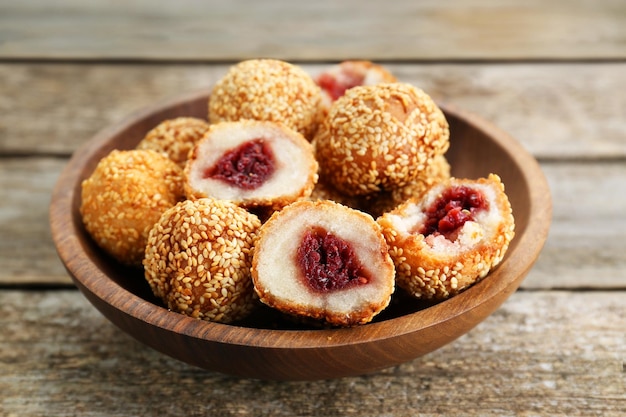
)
(552, 74)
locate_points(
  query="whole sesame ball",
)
(380, 137)
(198, 259)
(267, 90)
(175, 137)
(123, 198)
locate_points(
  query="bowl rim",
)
(506, 277)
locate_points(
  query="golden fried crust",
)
(438, 270)
(268, 90)
(198, 259)
(124, 197)
(279, 281)
(378, 138)
(175, 137)
(296, 166)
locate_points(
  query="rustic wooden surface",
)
(324, 29)
(553, 353)
(550, 73)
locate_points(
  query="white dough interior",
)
(281, 276)
(471, 233)
(291, 164)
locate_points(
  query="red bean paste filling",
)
(247, 166)
(337, 88)
(328, 263)
(457, 205)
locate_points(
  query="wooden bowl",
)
(267, 347)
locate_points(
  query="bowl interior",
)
(477, 149)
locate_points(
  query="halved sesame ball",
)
(175, 137)
(451, 238)
(336, 80)
(323, 261)
(198, 259)
(255, 164)
(123, 198)
(378, 138)
(268, 90)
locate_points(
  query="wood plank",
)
(54, 108)
(541, 353)
(554, 110)
(587, 240)
(585, 248)
(27, 253)
(319, 30)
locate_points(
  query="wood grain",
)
(554, 353)
(587, 242)
(549, 73)
(585, 248)
(554, 110)
(319, 30)
(27, 252)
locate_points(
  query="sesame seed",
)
(115, 197)
(453, 266)
(266, 89)
(362, 127)
(205, 261)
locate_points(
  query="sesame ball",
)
(267, 90)
(175, 137)
(323, 261)
(252, 163)
(123, 198)
(198, 259)
(451, 237)
(380, 137)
